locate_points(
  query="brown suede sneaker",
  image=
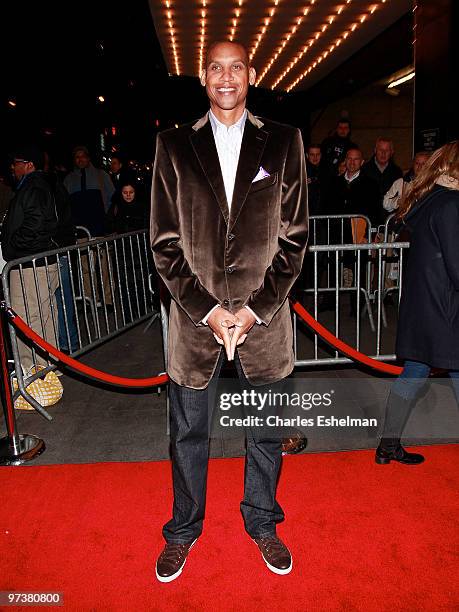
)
(294, 444)
(275, 554)
(171, 561)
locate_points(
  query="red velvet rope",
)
(163, 378)
(153, 381)
(342, 346)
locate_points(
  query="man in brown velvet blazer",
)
(229, 228)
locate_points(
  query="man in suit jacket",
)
(228, 232)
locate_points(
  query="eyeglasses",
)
(19, 161)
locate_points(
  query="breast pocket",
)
(264, 183)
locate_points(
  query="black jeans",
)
(191, 415)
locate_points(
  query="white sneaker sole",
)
(177, 573)
(276, 570)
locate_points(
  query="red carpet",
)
(364, 537)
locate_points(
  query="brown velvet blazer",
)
(207, 256)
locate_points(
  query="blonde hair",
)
(443, 161)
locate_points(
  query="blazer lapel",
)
(252, 147)
(202, 140)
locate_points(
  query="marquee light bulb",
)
(344, 35)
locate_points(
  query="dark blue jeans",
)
(191, 415)
(413, 378)
(401, 399)
(69, 308)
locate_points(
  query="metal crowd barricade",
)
(378, 343)
(390, 266)
(325, 229)
(111, 276)
(338, 230)
(76, 298)
(350, 328)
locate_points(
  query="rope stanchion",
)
(15, 448)
(121, 381)
(342, 346)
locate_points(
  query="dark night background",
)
(60, 56)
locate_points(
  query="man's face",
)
(342, 130)
(115, 165)
(419, 162)
(20, 168)
(227, 77)
(314, 155)
(353, 161)
(383, 152)
(81, 159)
(128, 193)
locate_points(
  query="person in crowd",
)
(129, 211)
(316, 180)
(382, 169)
(351, 193)
(401, 186)
(91, 190)
(315, 173)
(65, 236)
(229, 276)
(335, 147)
(428, 330)
(120, 173)
(28, 229)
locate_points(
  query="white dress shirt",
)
(349, 179)
(228, 142)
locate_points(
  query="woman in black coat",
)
(129, 211)
(428, 329)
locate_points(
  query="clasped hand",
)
(230, 329)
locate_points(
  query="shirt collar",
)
(349, 180)
(218, 125)
(379, 166)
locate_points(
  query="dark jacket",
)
(316, 179)
(6, 193)
(428, 329)
(31, 220)
(124, 217)
(125, 176)
(90, 198)
(384, 180)
(207, 254)
(359, 197)
(65, 233)
(334, 149)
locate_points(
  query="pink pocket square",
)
(261, 174)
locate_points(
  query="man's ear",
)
(203, 78)
(252, 75)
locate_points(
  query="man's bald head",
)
(216, 43)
